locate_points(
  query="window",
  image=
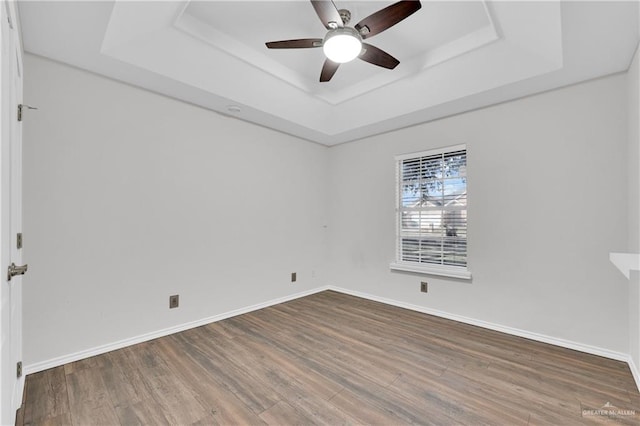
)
(432, 212)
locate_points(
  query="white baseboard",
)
(594, 350)
(634, 371)
(55, 362)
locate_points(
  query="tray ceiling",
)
(454, 56)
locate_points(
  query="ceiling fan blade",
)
(328, 70)
(301, 43)
(386, 18)
(327, 12)
(378, 57)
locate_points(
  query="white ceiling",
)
(454, 56)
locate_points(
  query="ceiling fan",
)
(342, 43)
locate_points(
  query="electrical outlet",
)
(424, 287)
(174, 301)
(294, 277)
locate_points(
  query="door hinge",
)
(21, 107)
(19, 369)
(19, 240)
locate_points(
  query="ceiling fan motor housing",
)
(345, 15)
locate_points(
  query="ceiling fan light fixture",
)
(342, 45)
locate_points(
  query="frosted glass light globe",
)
(342, 45)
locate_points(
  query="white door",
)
(10, 214)
(16, 219)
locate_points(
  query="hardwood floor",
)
(333, 359)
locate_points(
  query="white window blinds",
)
(432, 208)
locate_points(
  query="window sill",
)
(443, 271)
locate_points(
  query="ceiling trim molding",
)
(504, 51)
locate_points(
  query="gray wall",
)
(130, 197)
(547, 182)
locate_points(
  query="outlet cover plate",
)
(174, 301)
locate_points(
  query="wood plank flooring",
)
(333, 359)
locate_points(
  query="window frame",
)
(460, 272)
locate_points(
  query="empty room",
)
(320, 212)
